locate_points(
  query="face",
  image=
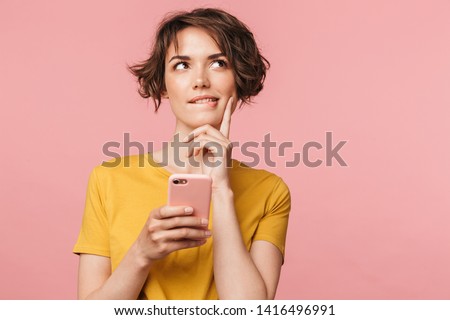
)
(199, 80)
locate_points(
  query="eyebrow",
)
(211, 57)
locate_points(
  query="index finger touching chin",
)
(226, 120)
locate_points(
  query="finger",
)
(171, 211)
(206, 136)
(177, 222)
(205, 129)
(226, 120)
(195, 145)
(208, 142)
(212, 148)
(183, 234)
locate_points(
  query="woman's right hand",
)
(168, 229)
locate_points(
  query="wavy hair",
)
(232, 36)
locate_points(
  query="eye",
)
(180, 66)
(219, 63)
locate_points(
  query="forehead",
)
(193, 42)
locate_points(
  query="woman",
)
(131, 244)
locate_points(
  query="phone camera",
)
(179, 181)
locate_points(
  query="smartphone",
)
(193, 190)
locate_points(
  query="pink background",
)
(375, 73)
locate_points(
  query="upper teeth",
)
(205, 100)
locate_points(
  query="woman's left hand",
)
(213, 148)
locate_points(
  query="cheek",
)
(175, 86)
(227, 84)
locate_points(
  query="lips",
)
(203, 99)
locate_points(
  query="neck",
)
(173, 156)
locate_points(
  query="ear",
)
(164, 94)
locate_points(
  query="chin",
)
(200, 121)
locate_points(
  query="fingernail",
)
(207, 233)
(205, 222)
(188, 210)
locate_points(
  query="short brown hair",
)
(232, 36)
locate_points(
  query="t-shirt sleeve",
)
(273, 225)
(94, 234)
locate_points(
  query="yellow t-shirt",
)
(120, 198)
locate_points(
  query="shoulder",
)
(126, 162)
(244, 177)
(121, 167)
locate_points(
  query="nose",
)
(201, 79)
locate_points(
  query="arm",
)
(95, 280)
(167, 229)
(240, 274)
